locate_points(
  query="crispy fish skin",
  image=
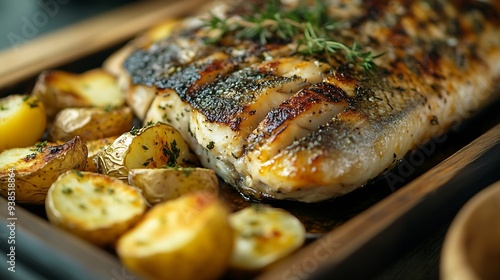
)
(282, 125)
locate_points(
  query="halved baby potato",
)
(93, 206)
(90, 123)
(94, 147)
(153, 146)
(186, 238)
(22, 121)
(163, 184)
(94, 88)
(264, 235)
(35, 168)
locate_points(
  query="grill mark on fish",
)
(225, 100)
(295, 118)
(299, 103)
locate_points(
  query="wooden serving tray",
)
(351, 237)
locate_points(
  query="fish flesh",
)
(278, 123)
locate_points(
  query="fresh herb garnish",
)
(32, 102)
(146, 163)
(67, 190)
(211, 145)
(187, 170)
(135, 130)
(30, 156)
(78, 173)
(173, 152)
(39, 146)
(309, 25)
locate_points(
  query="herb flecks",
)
(135, 130)
(32, 102)
(78, 173)
(173, 152)
(211, 145)
(147, 162)
(67, 190)
(308, 25)
(39, 146)
(187, 170)
(30, 156)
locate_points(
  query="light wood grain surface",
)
(87, 37)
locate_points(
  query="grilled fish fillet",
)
(279, 124)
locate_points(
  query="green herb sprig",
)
(309, 25)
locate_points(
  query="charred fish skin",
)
(279, 124)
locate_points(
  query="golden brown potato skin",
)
(162, 184)
(90, 123)
(186, 238)
(94, 147)
(152, 146)
(60, 89)
(35, 172)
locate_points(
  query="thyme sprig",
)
(309, 25)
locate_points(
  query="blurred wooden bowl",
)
(472, 244)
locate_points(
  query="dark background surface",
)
(420, 257)
(29, 19)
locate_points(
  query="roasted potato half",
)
(153, 146)
(90, 123)
(263, 235)
(93, 206)
(22, 121)
(94, 147)
(186, 238)
(36, 168)
(94, 88)
(163, 184)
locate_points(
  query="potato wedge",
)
(94, 88)
(22, 121)
(36, 168)
(263, 235)
(90, 123)
(186, 238)
(159, 185)
(153, 146)
(93, 206)
(94, 147)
